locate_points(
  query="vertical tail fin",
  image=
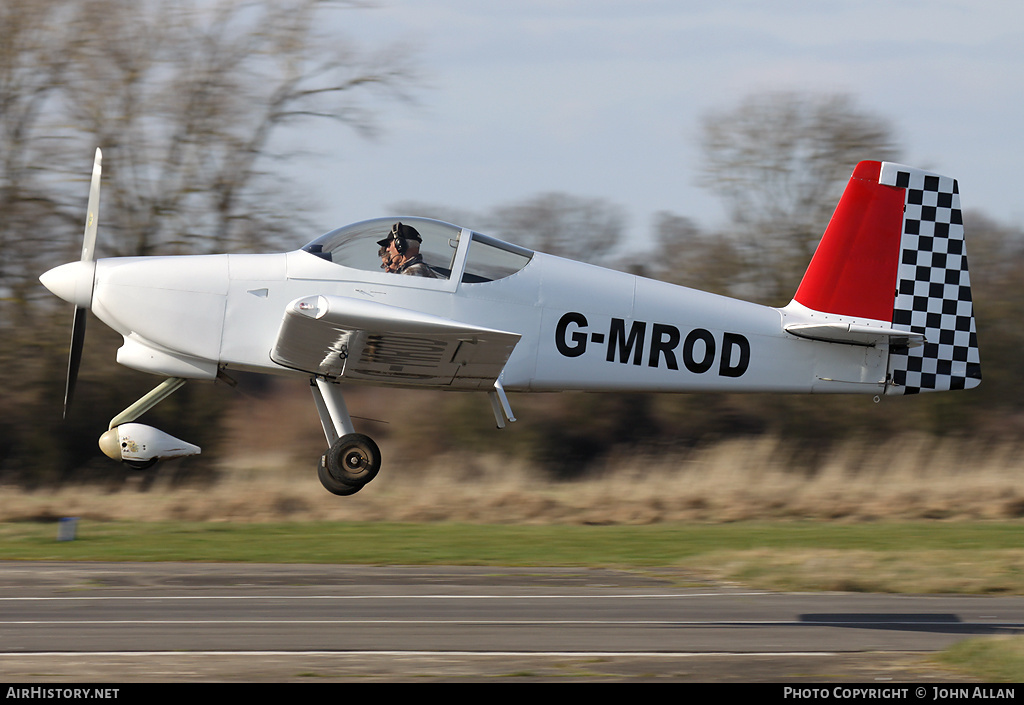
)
(893, 256)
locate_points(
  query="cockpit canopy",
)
(487, 258)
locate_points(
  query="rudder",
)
(933, 293)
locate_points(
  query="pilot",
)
(403, 246)
(386, 262)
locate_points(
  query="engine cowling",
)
(141, 445)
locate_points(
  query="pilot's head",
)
(402, 239)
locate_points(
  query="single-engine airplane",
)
(883, 308)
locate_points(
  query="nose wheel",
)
(351, 462)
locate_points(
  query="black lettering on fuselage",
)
(664, 339)
(699, 342)
(731, 341)
(579, 340)
(626, 343)
(621, 343)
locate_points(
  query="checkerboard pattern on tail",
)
(933, 291)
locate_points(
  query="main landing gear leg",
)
(352, 459)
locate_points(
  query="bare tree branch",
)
(779, 162)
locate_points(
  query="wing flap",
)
(349, 338)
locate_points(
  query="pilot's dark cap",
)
(403, 231)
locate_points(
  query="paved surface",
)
(118, 622)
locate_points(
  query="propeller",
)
(83, 302)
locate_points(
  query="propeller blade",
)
(75, 358)
(88, 255)
(93, 213)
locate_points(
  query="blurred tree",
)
(188, 99)
(688, 256)
(996, 258)
(585, 229)
(581, 228)
(33, 68)
(779, 162)
(455, 216)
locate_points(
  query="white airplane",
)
(884, 308)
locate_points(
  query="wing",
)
(337, 336)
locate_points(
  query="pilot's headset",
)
(401, 244)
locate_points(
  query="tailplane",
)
(892, 268)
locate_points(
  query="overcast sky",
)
(603, 98)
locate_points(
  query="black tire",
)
(352, 461)
(141, 464)
(332, 485)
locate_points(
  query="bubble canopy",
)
(487, 259)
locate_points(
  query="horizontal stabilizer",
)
(853, 334)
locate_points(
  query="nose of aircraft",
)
(72, 282)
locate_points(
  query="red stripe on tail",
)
(853, 271)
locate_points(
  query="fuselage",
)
(582, 327)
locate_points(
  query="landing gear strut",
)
(352, 459)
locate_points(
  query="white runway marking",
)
(630, 596)
(566, 654)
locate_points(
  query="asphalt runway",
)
(180, 622)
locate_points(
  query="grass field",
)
(970, 558)
(917, 516)
(911, 479)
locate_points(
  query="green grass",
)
(919, 557)
(993, 659)
(464, 544)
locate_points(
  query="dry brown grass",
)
(907, 479)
